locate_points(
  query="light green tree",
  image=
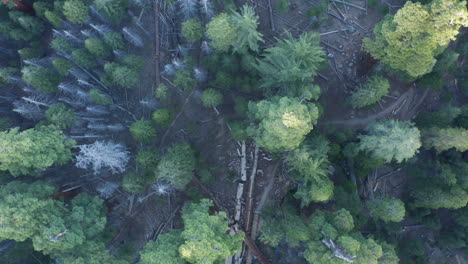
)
(97, 47)
(99, 98)
(60, 116)
(291, 66)
(114, 10)
(246, 23)
(222, 32)
(445, 138)
(61, 44)
(122, 75)
(281, 123)
(369, 94)
(387, 210)
(211, 98)
(391, 140)
(310, 169)
(409, 40)
(192, 30)
(177, 165)
(183, 80)
(165, 250)
(33, 149)
(41, 78)
(75, 11)
(205, 235)
(143, 131)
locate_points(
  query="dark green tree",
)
(99, 97)
(83, 58)
(97, 48)
(43, 79)
(60, 116)
(386, 209)
(114, 10)
(114, 40)
(177, 165)
(143, 131)
(165, 250)
(192, 30)
(246, 23)
(445, 138)
(62, 66)
(183, 80)
(291, 66)
(147, 158)
(162, 117)
(211, 98)
(61, 44)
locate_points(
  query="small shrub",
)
(238, 130)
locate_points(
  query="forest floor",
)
(207, 131)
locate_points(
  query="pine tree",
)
(41, 78)
(33, 150)
(247, 35)
(143, 131)
(114, 40)
(369, 94)
(211, 98)
(62, 66)
(114, 10)
(97, 48)
(83, 58)
(222, 32)
(177, 165)
(61, 44)
(99, 98)
(281, 123)
(75, 11)
(387, 209)
(446, 138)
(162, 117)
(192, 30)
(391, 140)
(165, 250)
(409, 40)
(60, 116)
(291, 66)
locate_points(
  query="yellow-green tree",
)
(409, 40)
(446, 138)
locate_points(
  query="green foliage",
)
(183, 80)
(391, 140)
(192, 30)
(433, 81)
(387, 209)
(60, 116)
(147, 158)
(114, 40)
(5, 123)
(97, 48)
(161, 92)
(134, 61)
(75, 11)
(40, 7)
(41, 78)
(211, 98)
(222, 32)
(136, 181)
(281, 123)
(165, 250)
(30, 53)
(342, 220)
(114, 10)
(291, 66)
(409, 40)
(369, 94)
(247, 35)
(61, 44)
(162, 117)
(54, 17)
(238, 129)
(5, 74)
(143, 131)
(205, 235)
(365, 163)
(122, 75)
(62, 66)
(442, 118)
(53, 228)
(30, 26)
(99, 98)
(33, 149)
(445, 138)
(310, 169)
(447, 62)
(241, 106)
(177, 165)
(83, 58)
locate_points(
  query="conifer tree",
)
(62, 66)
(43, 79)
(222, 32)
(246, 23)
(281, 123)
(410, 40)
(177, 165)
(192, 30)
(369, 94)
(387, 209)
(33, 150)
(446, 138)
(143, 131)
(114, 10)
(97, 48)
(75, 11)
(391, 140)
(291, 66)
(60, 116)
(211, 98)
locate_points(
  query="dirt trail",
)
(361, 122)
